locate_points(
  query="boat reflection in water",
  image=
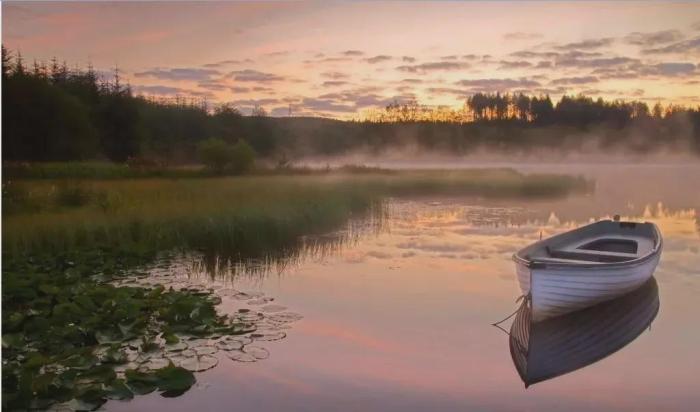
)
(553, 347)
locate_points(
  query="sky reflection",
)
(400, 319)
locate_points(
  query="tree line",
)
(55, 113)
(52, 112)
(577, 110)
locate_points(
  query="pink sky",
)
(340, 59)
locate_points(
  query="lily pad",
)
(176, 347)
(206, 350)
(268, 335)
(196, 363)
(174, 379)
(284, 317)
(249, 353)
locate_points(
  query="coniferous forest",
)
(56, 113)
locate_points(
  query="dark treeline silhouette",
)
(51, 112)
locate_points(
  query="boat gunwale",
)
(535, 264)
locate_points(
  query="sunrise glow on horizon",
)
(342, 59)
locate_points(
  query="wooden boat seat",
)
(590, 255)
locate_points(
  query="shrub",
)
(219, 156)
(242, 157)
(215, 154)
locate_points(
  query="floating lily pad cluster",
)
(79, 330)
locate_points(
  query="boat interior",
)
(602, 242)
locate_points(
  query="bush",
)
(215, 154)
(219, 156)
(242, 157)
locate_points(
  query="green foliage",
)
(64, 329)
(219, 156)
(216, 154)
(42, 122)
(61, 114)
(244, 216)
(242, 157)
(72, 194)
(120, 125)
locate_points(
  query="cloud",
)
(328, 60)
(335, 75)
(378, 59)
(353, 53)
(653, 38)
(448, 90)
(575, 80)
(636, 71)
(593, 63)
(450, 57)
(212, 85)
(408, 59)
(412, 81)
(527, 54)
(613, 92)
(334, 83)
(227, 63)
(433, 66)
(543, 64)
(276, 54)
(521, 35)
(255, 102)
(249, 75)
(671, 69)
(179, 74)
(238, 89)
(497, 84)
(690, 46)
(160, 90)
(350, 99)
(326, 105)
(506, 64)
(695, 26)
(587, 44)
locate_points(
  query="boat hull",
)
(558, 290)
(545, 350)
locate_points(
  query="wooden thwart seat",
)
(590, 256)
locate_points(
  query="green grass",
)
(241, 214)
(108, 170)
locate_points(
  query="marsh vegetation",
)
(71, 334)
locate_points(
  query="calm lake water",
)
(398, 317)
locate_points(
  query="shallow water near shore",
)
(396, 314)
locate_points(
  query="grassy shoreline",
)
(231, 212)
(66, 331)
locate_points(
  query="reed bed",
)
(229, 213)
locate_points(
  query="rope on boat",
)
(521, 297)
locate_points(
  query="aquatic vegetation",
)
(65, 331)
(82, 324)
(246, 216)
(82, 328)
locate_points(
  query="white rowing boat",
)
(586, 266)
(556, 346)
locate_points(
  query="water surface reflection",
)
(556, 346)
(399, 319)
